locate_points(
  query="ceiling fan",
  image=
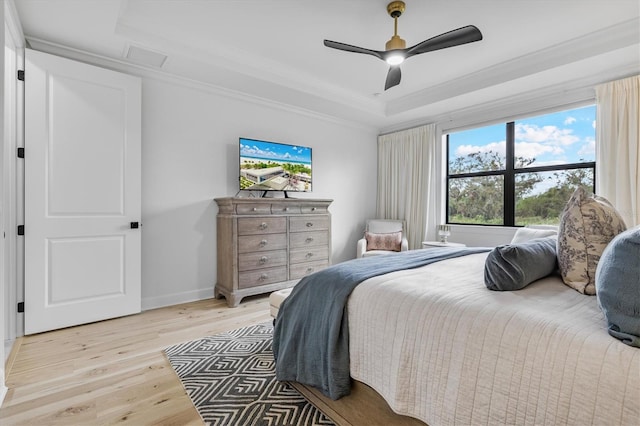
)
(396, 51)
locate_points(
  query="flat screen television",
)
(270, 166)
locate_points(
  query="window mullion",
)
(509, 177)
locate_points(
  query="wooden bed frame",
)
(364, 406)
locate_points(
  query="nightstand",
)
(432, 244)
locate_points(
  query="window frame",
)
(509, 175)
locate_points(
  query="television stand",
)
(264, 194)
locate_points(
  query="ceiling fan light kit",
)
(396, 51)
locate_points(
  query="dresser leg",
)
(233, 301)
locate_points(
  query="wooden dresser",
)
(265, 244)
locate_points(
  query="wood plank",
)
(114, 371)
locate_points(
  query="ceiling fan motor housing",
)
(395, 8)
(395, 43)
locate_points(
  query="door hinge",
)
(20, 229)
(20, 152)
(20, 307)
(21, 75)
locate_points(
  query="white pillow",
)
(531, 232)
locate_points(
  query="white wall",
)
(190, 156)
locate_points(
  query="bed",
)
(440, 347)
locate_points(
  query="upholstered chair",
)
(383, 236)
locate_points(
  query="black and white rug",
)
(230, 378)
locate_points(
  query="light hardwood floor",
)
(114, 372)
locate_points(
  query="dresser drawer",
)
(280, 209)
(257, 208)
(261, 277)
(311, 254)
(309, 239)
(308, 223)
(261, 225)
(265, 259)
(266, 242)
(303, 269)
(311, 209)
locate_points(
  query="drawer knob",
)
(264, 259)
(263, 226)
(286, 209)
(255, 209)
(309, 224)
(263, 277)
(263, 243)
(309, 255)
(309, 239)
(313, 209)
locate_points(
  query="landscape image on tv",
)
(270, 166)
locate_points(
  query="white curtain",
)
(618, 146)
(408, 180)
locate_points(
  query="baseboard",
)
(176, 298)
(3, 393)
(8, 347)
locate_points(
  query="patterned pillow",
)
(390, 242)
(587, 225)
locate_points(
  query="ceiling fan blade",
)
(463, 35)
(393, 77)
(350, 48)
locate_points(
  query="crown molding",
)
(593, 44)
(561, 95)
(161, 75)
(257, 67)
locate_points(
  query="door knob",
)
(135, 225)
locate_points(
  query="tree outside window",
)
(521, 172)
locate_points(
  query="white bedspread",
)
(439, 346)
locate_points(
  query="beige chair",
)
(382, 226)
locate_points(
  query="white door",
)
(82, 193)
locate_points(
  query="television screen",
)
(270, 166)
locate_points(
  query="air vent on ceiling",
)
(145, 56)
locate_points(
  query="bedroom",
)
(190, 129)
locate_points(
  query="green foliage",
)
(480, 200)
(294, 169)
(549, 205)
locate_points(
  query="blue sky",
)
(274, 151)
(557, 138)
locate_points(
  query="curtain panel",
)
(407, 180)
(618, 146)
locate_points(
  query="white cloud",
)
(551, 135)
(593, 124)
(589, 148)
(254, 151)
(534, 150)
(523, 149)
(569, 120)
(499, 147)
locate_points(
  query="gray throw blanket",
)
(311, 335)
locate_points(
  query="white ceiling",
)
(273, 49)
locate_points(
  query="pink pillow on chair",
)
(391, 241)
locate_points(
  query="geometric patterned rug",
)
(230, 378)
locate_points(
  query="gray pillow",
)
(514, 266)
(618, 286)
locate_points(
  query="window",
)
(522, 172)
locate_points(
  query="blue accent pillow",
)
(514, 266)
(618, 286)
